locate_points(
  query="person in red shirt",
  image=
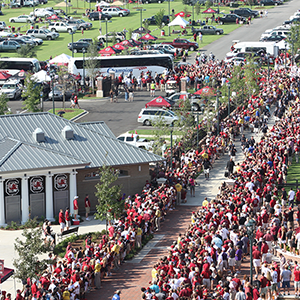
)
(264, 250)
(87, 204)
(256, 260)
(263, 284)
(67, 218)
(61, 220)
(75, 206)
(297, 281)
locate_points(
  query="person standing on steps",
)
(61, 220)
(87, 204)
(67, 218)
(75, 207)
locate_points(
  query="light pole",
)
(83, 70)
(169, 14)
(72, 32)
(141, 15)
(171, 154)
(228, 85)
(106, 21)
(218, 113)
(250, 231)
(285, 54)
(52, 76)
(192, 13)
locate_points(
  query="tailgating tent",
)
(179, 21)
(209, 11)
(126, 43)
(206, 92)
(109, 51)
(158, 102)
(182, 14)
(148, 37)
(20, 75)
(117, 3)
(53, 17)
(4, 75)
(62, 59)
(6, 274)
(102, 3)
(134, 42)
(41, 76)
(119, 47)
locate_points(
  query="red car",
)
(183, 44)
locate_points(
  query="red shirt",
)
(264, 248)
(67, 215)
(263, 282)
(87, 202)
(256, 254)
(297, 275)
(61, 217)
(75, 203)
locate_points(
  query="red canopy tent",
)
(158, 102)
(6, 274)
(126, 43)
(109, 51)
(206, 92)
(4, 75)
(182, 14)
(148, 37)
(119, 47)
(53, 17)
(209, 11)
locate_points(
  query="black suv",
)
(269, 2)
(152, 1)
(94, 16)
(231, 18)
(246, 12)
(80, 46)
(151, 20)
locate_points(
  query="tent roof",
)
(7, 273)
(118, 3)
(148, 37)
(158, 102)
(60, 59)
(182, 14)
(179, 21)
(209, 11)
(206, 91)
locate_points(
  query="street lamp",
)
(83, 70)
(285, 54)
(52, 76)
(171, 154)
(192, 13)
(218, 113)
(106, 21)
(141, 14)
(72, 32)
(250, 232)
(228, 85)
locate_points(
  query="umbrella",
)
(4, 75)
(119, 47)
(209, 11)
(206, 91)
(109, 51)
(148, 37)
(62, 59)
(141, 30)
(183, 14)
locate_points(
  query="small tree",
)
(31, 94)
(129, 33)
(3, 104)
(91, 63)
(109, 205)
(146, 24)
(26, 51)
(197, 8)
(159, 18)
(208, 4)
(29, 264)
(293, 38)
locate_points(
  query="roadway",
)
(122, 116)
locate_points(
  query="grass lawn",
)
(293, 172)
(58, 46)
(70, 113)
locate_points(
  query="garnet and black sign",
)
(61, 182)
(12, 187)
(36, 184)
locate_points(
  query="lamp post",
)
(250, 232)
(285, 54)
(106, 21)
(83, 70)
(52, 76)
(169, 14)
(218, 113)
(66, 7)
(141, 15)
(228, 85)
(171, 154)
(72, 32)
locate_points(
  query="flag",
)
(135, 132)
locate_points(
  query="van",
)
(265, 47)
(148, 116)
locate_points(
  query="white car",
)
(62, 27)
(148, 116)
(22, 19)
(41, 13)
(115, 12)
(37, 41)
(12, 89)
(134, 139)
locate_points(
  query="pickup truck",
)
(208, 29)
(133, 139)
(9, 46)
(183, 44)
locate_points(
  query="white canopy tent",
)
(179, 21)
(41, 76)
(62, 59)
(102, 3)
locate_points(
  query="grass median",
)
(69, 113)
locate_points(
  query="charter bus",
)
(13, 65)
(125, 64)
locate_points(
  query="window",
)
(95, 175)
(129, 139)
(121, 138)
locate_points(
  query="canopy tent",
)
(4, 75)
(206, 92)
(41, 76)
(62, 59)
(62, 4)
(109, 51)
(148, 37)
(20, 75)
(7, 273)
(134, 42)
(209, 11)
(183, 14)
(117, 3)
(179, 21)
(126, 43)
(141, 30)
(158, 102)
(102, 3)
(54, 17)
(119, 47)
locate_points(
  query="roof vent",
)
(39, 135)
(68, 133)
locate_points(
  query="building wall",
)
(131, 184)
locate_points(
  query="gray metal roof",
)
(86, 146)
(6, 146)
(99, 127)
(24, 156)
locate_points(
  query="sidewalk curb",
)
(84, 113)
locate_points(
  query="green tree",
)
(31, 94)
(293, 38)
(29, 250)
(109, 205)
(129, 33)
(26, 51)
(208, 4)
(159, 18)
(197, 9)
(3, 104)
(114, 39)
(91, 63)
(146, 24)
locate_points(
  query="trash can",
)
(162, 33)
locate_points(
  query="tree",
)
(197, 8)
(29, 264)
(31, 94)
(159, 18)
(293, 38)
(208, 4)
(114, 38)
(109, 205)
(3, 104)
(146, 24)
(129, 33)
(92, 63)
(26, 51)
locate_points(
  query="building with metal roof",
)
(46, 160)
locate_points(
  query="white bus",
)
(125, 64)
(13, 65)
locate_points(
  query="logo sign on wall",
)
(36, 184)
(12, 187)
(61, 182)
